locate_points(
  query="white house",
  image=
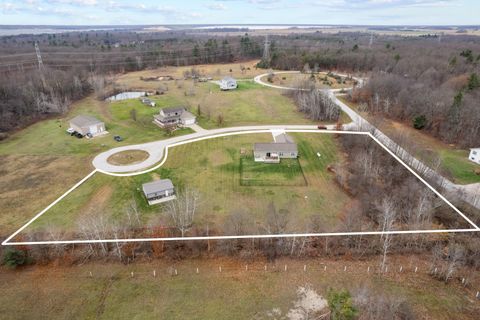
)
(174, 117)
(84, 125)
(283, 148)
(474, 155)
(228, 83)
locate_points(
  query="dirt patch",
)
(128, 157)
(99, 199)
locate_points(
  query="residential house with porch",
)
(283, 147)
(174, 117)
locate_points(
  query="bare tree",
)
(182, 209)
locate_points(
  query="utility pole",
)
(371, 40)
(266, 52)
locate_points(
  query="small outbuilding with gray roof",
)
(159, 191)
(85, 125)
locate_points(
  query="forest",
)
(431, 82)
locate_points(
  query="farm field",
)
(454, 161)
(212, 167)
(112, 293)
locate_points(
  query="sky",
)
(350, 12)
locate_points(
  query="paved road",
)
(470, 193)
(156, 148)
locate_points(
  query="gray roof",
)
(85, 121)
(157, 186)
(173, 110)
(187, 115)
(284, 138)
(228, 78)
(275, 147)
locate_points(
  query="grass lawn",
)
(49, 137)
(56, 292)
(286, 173)
(213, 168)
(454, 161)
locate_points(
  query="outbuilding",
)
(87, 125)
(159, 191)
(474, 155)
(228, 83)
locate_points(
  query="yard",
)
(454, 161)
(213, 167)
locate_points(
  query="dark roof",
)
(173, 110)
(157, 186)
(85, 121)
(275, 147)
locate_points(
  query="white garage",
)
(85, 124)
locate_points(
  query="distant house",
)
(228, 83)
(474, 155)
(159, 191)
(148, 102)
(174, 116)
(283, 147)
(87, 125)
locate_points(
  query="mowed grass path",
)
(213, 168)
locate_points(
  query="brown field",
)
(63, 292)
(128, 157)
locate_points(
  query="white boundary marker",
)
(255, 236)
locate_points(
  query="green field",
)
(49, 137)
(286, 173)
(213, 168)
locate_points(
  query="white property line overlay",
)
(258, 236)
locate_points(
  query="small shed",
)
(474, 155)
(85, 124)
(228, 83)
(148, 102)
(159, 191)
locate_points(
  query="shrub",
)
(341, 305)
(13, 258)
(419, 122)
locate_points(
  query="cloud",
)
(217, 6)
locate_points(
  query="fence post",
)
(246, 267)
(416, 268)
(176, 273)
(285, 267)
(304, 267)
(265, 267)
(197, 270)
(325, 268)
(131, 274)
(220, 268)
(368, 269)
(154, 273)
(91, 275)
(344, 268)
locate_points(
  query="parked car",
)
(117, 138)
(78, 135)
(321, 127)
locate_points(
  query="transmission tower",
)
(39, 56)
(371, 40)
(266, 51)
